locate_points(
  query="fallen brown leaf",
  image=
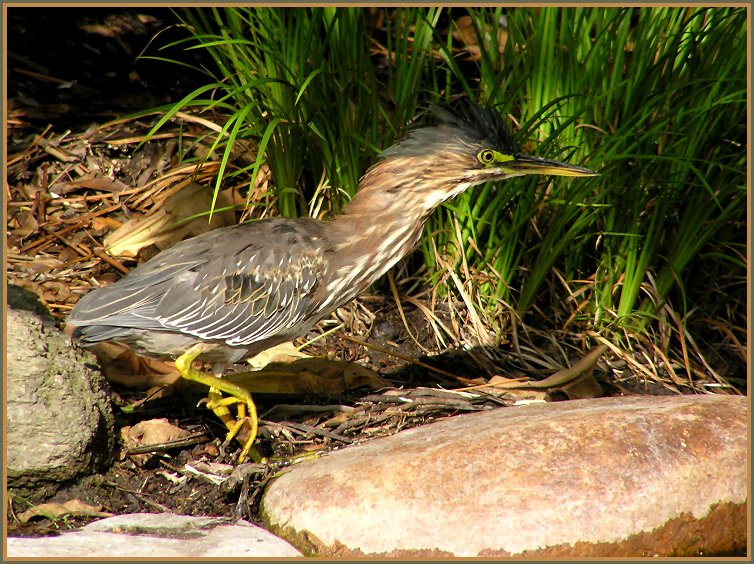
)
(124, 367)
(463, 31)
(151, 432)
(148, 433)
(577, 381)
(309, 376)
(283, 353)
(27, 224)
(170, 224)
(507, 386)
(101, 183)
(57, 292)
(101, 223)
(585, 388)
(72, 508)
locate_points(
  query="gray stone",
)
(145, 535)
(633, 476)
(59, 420)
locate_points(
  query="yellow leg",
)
(219, 405)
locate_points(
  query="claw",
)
(219, 405)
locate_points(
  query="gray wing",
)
(239, 284)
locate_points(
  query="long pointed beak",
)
(526, 164)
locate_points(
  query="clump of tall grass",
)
(653, 98)
(303, 82)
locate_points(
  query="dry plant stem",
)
(52, 235)
(394, 291)
(111, 261)
(161, 508)
(434, 321)
(316, 431)
(67, 243)
(741, 350)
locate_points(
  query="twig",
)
(315, 430)
(110, 260)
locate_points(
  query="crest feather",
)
(463, 123)
(482, 123)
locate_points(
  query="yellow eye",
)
(486, 157)
(491, 157)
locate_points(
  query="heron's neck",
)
(379, 226)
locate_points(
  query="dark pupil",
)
(487, 156)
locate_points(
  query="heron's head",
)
(470, 145)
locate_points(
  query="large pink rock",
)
(634, 476)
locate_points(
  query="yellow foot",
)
(219, 405)
(308, 375)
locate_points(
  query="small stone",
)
(146, 535)
(383, 329)
(631, 476)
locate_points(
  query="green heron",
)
(233, 292)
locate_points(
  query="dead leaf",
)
(124, 367)
(99, 29)
(105, 223)
(151, 432)
(27, 284)
(49, 112)
(283, 353)
(577, 381)
(337, 419)
(72, 508)
(56, 292)
(27, 224)
(29, 191)
(171, 224)
(44, 263)
(503, 385)
(584, 388)
(101, 183)
(312, 375)
(67, 254)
